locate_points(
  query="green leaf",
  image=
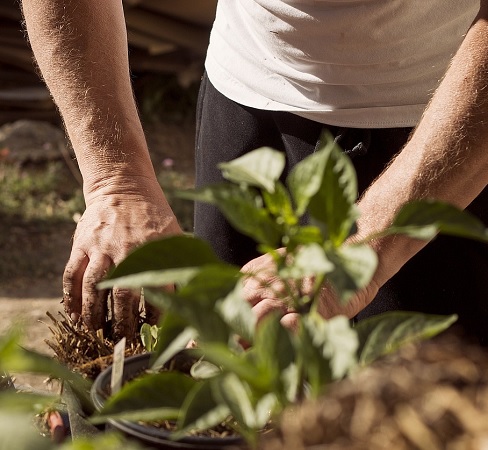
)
(423, 219)
(198, 316)
(237, 313)
(105, 441)
(153, 396)
(222, 356)
(338, 341)
(194, 302)
(17, 432)
(147, 337)
(354, 266)
(77, 414)
(325, 183)
(14, 358)
(386, 333)
(261, 168)
(210, 284)
(151, 278)
(203, 370)
(306, 177)
(290, 377)
(309, 260)
(9, 343)
(303, 235)
(236, 395)
(171, 326)
(139, 415)
(243, 208)
(173, 347)
(327, 349)
(311, 365)
(265, 408)
(279, 205)
(273, 350)
(173, 335)
(334, 204)
(200, 411)
(15, 401)
(173, 252)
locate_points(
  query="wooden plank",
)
(18, 57)
(12, 76)
(153, 45)
(201, 12)
(7, 40)
(36, 97)
(10, 10)
(168, 64)
(168, 30)
(12, 115)
(11, 27)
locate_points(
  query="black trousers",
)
(450, 275)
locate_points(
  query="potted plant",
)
(277, 368)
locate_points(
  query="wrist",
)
(123, 183)
(393, 251)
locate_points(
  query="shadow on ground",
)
(33, 257)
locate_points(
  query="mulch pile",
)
(430, 396)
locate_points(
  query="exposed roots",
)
(81, 350)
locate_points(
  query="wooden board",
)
(201, 12)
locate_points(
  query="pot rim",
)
(153, 434)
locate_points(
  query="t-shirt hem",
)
(370, 117)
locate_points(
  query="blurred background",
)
(40, 185)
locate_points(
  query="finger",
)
(94, 307)
(72, 284)
(125, 312)
(257, 287)
(268, 306)
(291, 321)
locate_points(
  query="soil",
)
(33, 254)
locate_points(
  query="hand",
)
(111, 226)
(264, 290)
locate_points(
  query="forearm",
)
(447, 156)
(81, 49)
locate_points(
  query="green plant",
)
(149, 336)
(279, 368)
(43, 192)
(21, 411)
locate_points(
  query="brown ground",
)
(33, 255)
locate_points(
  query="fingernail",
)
(74, 317)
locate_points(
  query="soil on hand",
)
(35, 245)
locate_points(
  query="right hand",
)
(112, 225)
(265, 292)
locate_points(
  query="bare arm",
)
(446, 159)
(81, 49)
(447, 156)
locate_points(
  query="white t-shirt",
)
(355, 63)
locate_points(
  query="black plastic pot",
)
(154, 437)
(6, 383)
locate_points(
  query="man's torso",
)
(362, 63)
